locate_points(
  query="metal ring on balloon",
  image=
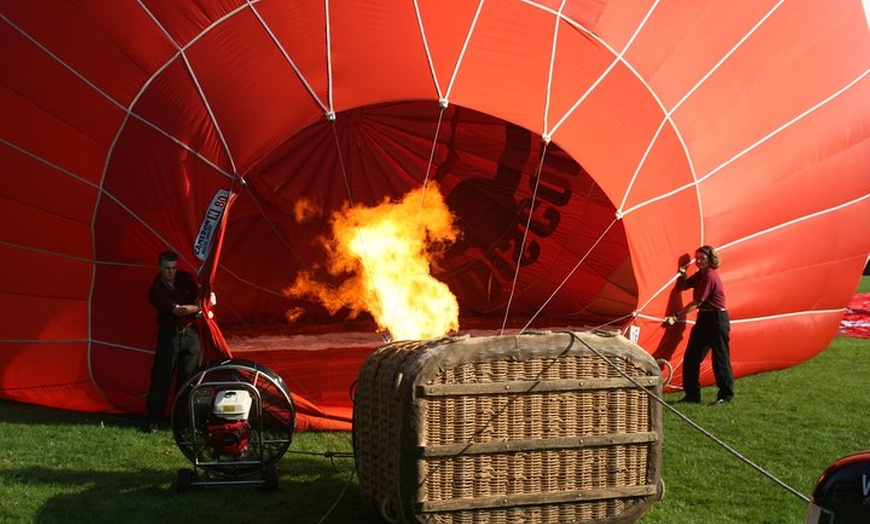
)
(233, 418)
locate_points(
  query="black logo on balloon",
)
(493, 215)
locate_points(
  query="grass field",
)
(59, 466)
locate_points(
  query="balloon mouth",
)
(537, 235)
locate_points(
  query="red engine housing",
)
(228, 437)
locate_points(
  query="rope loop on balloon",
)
(667, 365)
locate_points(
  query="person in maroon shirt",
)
(175, 295)
(712, 329)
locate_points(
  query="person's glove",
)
(671, 320)
(682, 271)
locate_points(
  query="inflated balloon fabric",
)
(585, 148)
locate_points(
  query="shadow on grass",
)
(149, 495)
(21, 413)
(308, 486)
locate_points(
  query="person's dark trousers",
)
(712, 330)
(181, 348)
(721, 347)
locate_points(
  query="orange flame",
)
(386, 252)
(305, 210)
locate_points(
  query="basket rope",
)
(696, 426)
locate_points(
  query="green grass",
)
(59, 466)
(790, 423)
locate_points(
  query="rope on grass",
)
(332, 455)
(339, 499)
(686, 419)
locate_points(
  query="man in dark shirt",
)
(175, 295)
(712, 329)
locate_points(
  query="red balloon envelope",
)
(584, 147)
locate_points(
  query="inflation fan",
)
(233, 420)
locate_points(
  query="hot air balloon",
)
(582, 147)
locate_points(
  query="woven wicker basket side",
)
(376, 416)
(543, 428)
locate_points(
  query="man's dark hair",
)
(168, 256)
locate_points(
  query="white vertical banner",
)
(213, 215)
(634, 333)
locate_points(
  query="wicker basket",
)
(534, 428)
